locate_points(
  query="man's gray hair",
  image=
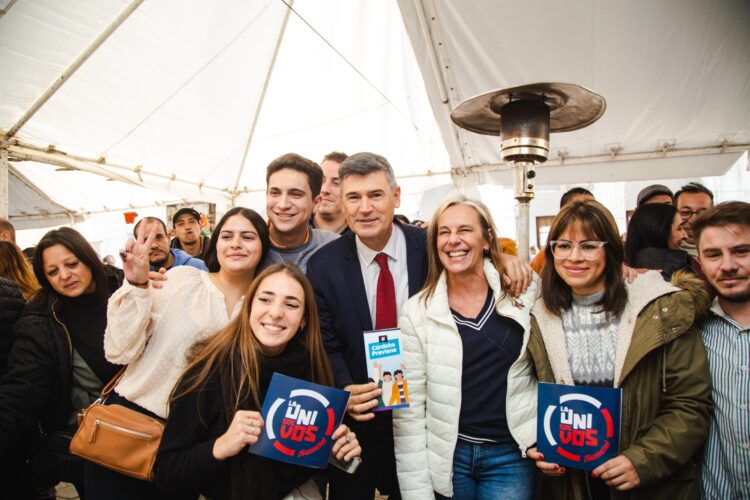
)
(367, 163)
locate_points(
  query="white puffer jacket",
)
(425, 434)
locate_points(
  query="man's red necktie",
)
(385, 303)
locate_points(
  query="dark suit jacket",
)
(342, 301)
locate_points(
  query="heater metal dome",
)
(571, 107)
(523, 117)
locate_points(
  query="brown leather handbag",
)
(117, 437)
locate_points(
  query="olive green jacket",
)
(661, 366)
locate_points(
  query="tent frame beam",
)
(20, 151)
(4, 180)
(442, 69)
(7, 8)
(261, 99)
(70, 70)
(105, 210)
(23, 151)
(609, 158)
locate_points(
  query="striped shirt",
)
(726, 467)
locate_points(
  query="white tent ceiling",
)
(181, 87)
(180, 101)
(675, 74)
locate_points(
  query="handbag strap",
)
(112, 383)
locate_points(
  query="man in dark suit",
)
(345, 276)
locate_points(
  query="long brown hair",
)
(597, 223)
(13, 265)
(235, 353)
(212, 260)
(78, 246)
(489, 233)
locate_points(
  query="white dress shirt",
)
(395, 249)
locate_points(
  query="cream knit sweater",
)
(151, 330)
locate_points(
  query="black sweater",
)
(185, 464)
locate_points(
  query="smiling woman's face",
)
(65, 272)
(460, 241)
(277, 313)
(238, 248)
(584, 277)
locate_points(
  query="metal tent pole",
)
(73, 68)
(4, 167)
(262, 98)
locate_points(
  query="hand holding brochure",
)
(578, 426)
(385, 366)
(300, 418)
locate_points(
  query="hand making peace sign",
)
(135, 255)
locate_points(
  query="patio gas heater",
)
(524, 117)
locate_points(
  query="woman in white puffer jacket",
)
(471, 385)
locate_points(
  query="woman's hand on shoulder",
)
(546, 468)
(244, 430)
(629, 274)
(345, 446)
(516, 274)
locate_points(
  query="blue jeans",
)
(491, 471)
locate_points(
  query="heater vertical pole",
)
(523, 188)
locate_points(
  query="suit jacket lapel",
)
(415, 257)
(356, 284)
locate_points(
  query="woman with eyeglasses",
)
(592, 328)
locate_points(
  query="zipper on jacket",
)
(99, 422)
(67, 334)
(588, 486)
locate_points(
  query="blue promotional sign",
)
(300, 418)
(578, 426)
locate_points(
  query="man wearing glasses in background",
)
(692, 200)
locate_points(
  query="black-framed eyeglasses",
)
(686, 213)
(589, 249)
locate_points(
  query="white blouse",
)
(151, 330)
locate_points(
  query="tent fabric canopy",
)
(674, 72)
(189, 100)
(43, 211)
(174, 92)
